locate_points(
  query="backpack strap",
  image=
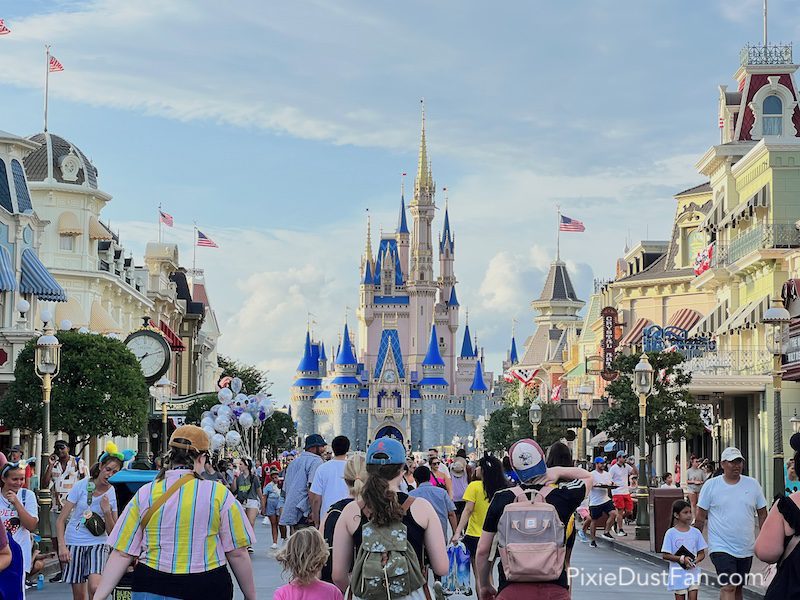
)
(164, 497)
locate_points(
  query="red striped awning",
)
(685, 318)
(173, 339)
(634, 335)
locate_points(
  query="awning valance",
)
(747, 316)
(71, 311)
(98, 231)
(173, 338)
(634, 335)
(8, 279)
(68, 224)
(746, 209)
(101, 321)
(714, 217)
(708, 325)
(685, 318)
(37, 280)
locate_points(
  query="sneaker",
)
(250, 549)
(621, 533)
(593, 544)
(265, 521)
(274, 545)
(607, 536)
(582, 535)
(55, 578)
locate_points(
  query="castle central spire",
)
(423, 185)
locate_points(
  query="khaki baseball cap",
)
(189, 437)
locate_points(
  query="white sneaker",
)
(274, 545)
(265, 521)
(621, 533)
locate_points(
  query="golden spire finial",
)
(467, 323)
(368, 251)
(423, 164)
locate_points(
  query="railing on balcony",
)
(771, 54)
(730, 362)
(759, 237)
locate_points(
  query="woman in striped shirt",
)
(184, 531)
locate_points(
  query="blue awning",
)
(8, 281)
(37, 280)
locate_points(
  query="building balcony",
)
(771, 54)
(761, 237)
(744, 362)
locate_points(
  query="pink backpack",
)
(531, 538)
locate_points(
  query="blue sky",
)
(275, 125)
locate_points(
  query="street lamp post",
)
(535, 417)
(47, 363)
(585, 393)
(164, 387)
(642, 385)
(776, 320)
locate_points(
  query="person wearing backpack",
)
(531, 512)
(393, 534)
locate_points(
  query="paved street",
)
(595, 564)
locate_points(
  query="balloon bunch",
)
(236, 421)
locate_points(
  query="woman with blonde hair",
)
(304, 556)
(355, 475)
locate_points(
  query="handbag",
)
(93, 522)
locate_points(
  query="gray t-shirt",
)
(247, 488)
(695, 475)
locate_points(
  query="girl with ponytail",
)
(381, 503)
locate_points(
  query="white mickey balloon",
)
(217, 441)
(225, 411)
(215, 409)
(236, 385)
(232, 438)
(225, 395)
(207, 422)
(205, 414)
(210, 432)
(268, 408)
(246, 420)
(222, 424)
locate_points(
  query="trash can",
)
(660, 505)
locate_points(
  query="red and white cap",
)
(527, 459)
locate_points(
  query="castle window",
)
(5, 190)
(66, 242)
(773, 116)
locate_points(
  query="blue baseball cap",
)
(621, 453)
(314, 440)
(599, 460)
(386, 451)
(527, 459)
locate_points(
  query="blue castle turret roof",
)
(346, 356)
(447, 237)
(513, 354)
(478, 384)
(433, 357)
(402, 225)
(368, 279)
(322, 355)
(453, 298)
(466, 346)
(308, 362)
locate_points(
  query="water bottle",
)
(40, 582)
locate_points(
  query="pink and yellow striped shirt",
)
(189, 534)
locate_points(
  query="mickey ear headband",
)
(111, 451)
(10, 466)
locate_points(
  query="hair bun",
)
(794, 441)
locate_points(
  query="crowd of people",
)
(380, 521)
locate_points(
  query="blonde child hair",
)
(304, 555)
(355, 473)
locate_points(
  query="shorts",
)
(623, 502)
(273, 506)
(731, 570)
(597, 511)
(471, 542)
(84, 561)
(252, 503)
(686, 591)
(583, 512)
(540, 591)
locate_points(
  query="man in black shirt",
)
(562, 487)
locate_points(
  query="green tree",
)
(254, 380)
(199, 406)
(671, 412)
(510, 423)
(275, 440)
(99, 390)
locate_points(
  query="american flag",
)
(526, 376)
(567, 224)
(555, 395)
(204, 240)
(166, 218)
(55, 65)
(3, 29)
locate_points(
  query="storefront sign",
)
(609, 316)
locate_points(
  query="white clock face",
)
(149, 352)
(389, 376)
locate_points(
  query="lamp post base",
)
(45, 531)
(642, 514)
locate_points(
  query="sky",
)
(275, 125)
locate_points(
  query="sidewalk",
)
(641, 549)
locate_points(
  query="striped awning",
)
(71, 311)
(100, 321)
(634, 335)
(685, 318)
(68, 224)
(747, 316)
(746, 209)
(173, 339)
(97, 231)
(37, 280)
(8, 280)
(708, 325)
(714, 217)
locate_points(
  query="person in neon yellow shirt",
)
(489, 479)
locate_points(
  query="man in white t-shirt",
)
(328, 486)
(601, 507)
(620, 473)
(731, 503)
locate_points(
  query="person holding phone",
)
(684, 547)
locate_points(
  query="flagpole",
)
(194, 250)
(46, 81)
(159, 222)
(558, 232)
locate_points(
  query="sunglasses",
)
(435, 463)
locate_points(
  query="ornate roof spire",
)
(433, 357)
(346, 356)
(466, 345)
(446, 240)
(368, 250)
(478, 384)
(402, 225)
(424, 180)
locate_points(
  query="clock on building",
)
(389, 376)
(152, 351)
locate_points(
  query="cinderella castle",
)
(406, 377)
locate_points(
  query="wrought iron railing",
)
(759, 237)
(730, 362)
(771, 54)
